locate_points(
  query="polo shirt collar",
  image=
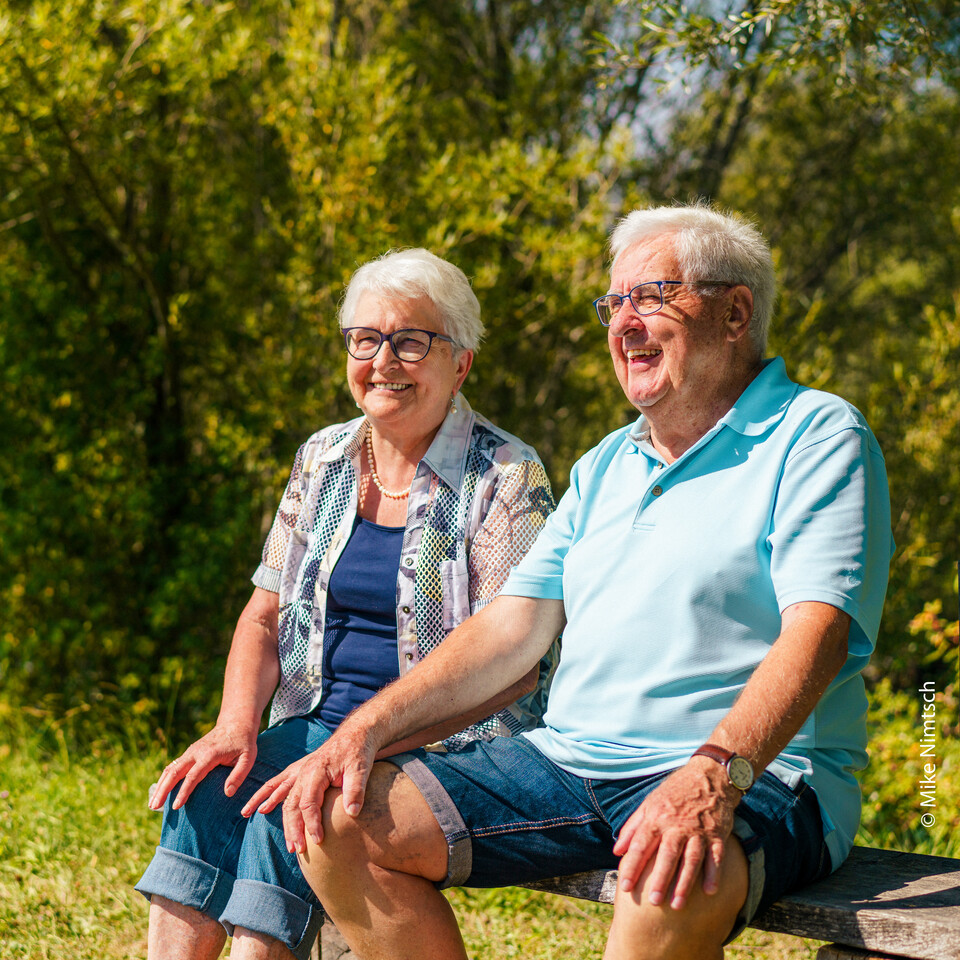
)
(446, 456)
(759, 408)
(763, 404)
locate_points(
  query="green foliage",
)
(138, 471)
(897, 814)
(859, 45)
(186, 186)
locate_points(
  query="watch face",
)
(741, 773)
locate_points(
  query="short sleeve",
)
(831, 539)
(267, 575)
(540, 574)
(520, 506)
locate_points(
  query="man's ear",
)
(741, 312)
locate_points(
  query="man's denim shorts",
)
(512, 816)
(235, 870)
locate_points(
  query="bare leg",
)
(178, 932)
(250, 945)
(695, 932)
(375, 874)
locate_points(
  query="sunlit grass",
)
(75, 835)
(508, 923)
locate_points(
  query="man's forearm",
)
(440, 731)
(484, 656)
(696, 802)
(787, 685)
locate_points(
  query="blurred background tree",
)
(186, 186)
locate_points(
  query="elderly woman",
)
(393, 528)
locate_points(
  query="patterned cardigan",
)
(477, 502)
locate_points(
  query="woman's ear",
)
(464, 363)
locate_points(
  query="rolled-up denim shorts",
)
(235, 870)
(512, 816)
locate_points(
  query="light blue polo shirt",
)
(673, 579)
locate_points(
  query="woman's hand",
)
(224, 745)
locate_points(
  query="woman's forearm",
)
(253, 665)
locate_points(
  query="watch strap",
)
(739, 770)
(711, 750)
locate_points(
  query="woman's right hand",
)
(225, 745)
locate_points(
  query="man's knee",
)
(696, 931)
(395, 830)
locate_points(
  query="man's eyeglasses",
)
(646, 297)
(363, 343)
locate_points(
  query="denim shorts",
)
(235, 870)
(511, 816)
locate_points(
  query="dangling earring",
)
(453, 403)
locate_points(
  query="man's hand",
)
(344, 761)
(275, 790)
(226, 745)
(684, 824)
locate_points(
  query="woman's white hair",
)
(409, 274)
(709, 245)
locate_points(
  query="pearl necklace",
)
(376, 479)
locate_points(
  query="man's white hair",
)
(409, 274)
(709, 245)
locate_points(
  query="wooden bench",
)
(879, 904)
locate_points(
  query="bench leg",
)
(330, 944)
(837, 951)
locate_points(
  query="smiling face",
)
(677, 365)
(408, 400)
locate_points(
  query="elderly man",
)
(717, 571)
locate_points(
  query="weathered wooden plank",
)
(834, 951)
(896, 903)
(597, 885)
(880, 902)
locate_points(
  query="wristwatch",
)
(739, 769)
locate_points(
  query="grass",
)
(512, 922)
(75, 835)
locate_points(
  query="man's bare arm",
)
(685, 823)
(486, 654)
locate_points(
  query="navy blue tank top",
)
(360, 642)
